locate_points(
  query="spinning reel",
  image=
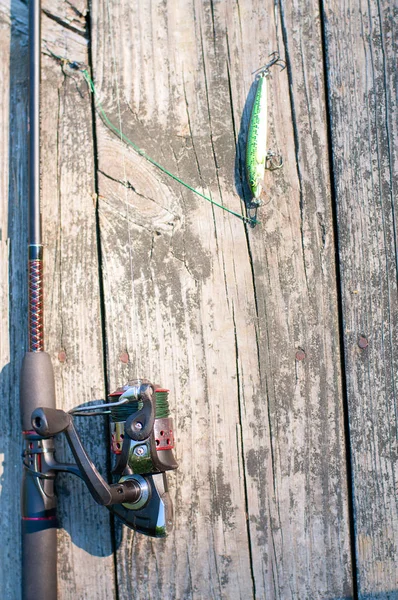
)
(142, 442)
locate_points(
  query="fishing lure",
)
(257, 157)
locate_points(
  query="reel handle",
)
(48, 422)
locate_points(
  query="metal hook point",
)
(275, 60)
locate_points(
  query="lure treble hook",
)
(275, 60)
(273, 161)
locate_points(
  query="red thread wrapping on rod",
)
(35, 284)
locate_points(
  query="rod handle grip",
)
(37, 385)
(39, 560)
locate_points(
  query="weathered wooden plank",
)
(217, 311)
(72, 298)
(297, 310)
(307, 413)
(156, 306)
(13, 288)
(362, 47)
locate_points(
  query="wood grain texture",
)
(216, 311)
(362, 47)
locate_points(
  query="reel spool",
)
(155, 454)
(142, 443)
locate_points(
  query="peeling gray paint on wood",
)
(361, 50)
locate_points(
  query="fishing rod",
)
(142, 430)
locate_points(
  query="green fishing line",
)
(125, 139)
(122, 412)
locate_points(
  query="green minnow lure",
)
(257, 156)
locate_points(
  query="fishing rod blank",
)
(39, 534)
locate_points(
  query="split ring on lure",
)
(257, 156)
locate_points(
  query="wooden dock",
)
(278, 342)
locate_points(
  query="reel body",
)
(136, 458)
(142, 442)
